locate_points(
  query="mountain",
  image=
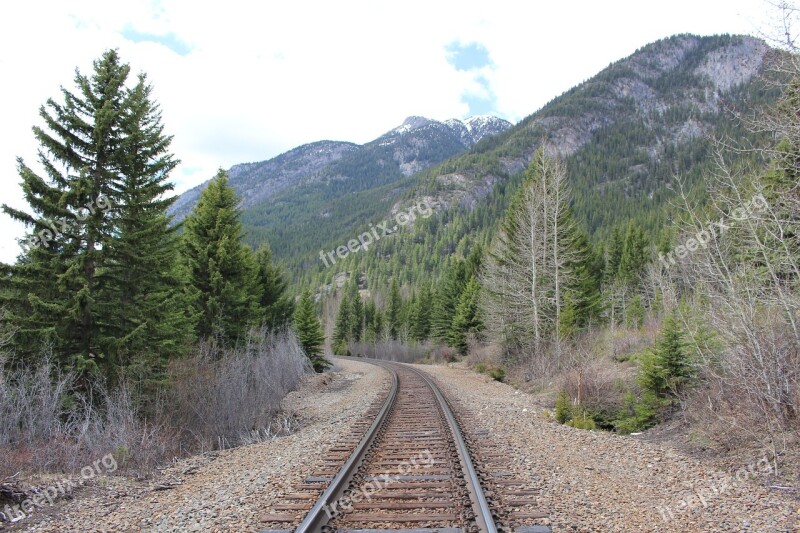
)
(415, 145)
(624, 134)
(255, 182)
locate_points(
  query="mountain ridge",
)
(258, 181)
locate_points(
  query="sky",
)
(245, 81)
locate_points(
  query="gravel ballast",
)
(584, 480)
(597, 481)
(230, 490)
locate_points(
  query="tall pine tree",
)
(309, 332)
(276, 304)
(221, 269)
(98, 279)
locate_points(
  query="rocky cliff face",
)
(672, 91)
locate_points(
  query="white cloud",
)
(261, 78)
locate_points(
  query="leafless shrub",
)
(744, 323)
(46, 424)
(539, 371)
(217, 399)
(488, 355)
(626, 342)
(222, 397)
(599, 385)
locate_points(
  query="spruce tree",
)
(614, 249)
(635, 255)
(420, 326)
(446, 300)
(393, 312)
(342, 329)
(146, 318)
(308, 329)
(667, 369)
(468, 319)
(275, 302)
(221, 269)
(356, 314)
(98, 279)
(374, 332)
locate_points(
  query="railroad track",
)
(406, 466)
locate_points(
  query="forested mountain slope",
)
(625, 135)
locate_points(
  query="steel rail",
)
(480, 506)
(317, 517)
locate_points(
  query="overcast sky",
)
(243, 81)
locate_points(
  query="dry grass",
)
(221, 398)
(46, 424)
(215, 399)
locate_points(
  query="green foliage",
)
(420, 319)
(393, 317)
(222, 270)
(563, 407)
(342, 329)
(497, 374)
(666, 369)
(446, 300)
(275, 303)
(468, 319)
(581, 421)
(638, 414)
(635, 255)
(98, 281)
(634, 314)
(308, 329)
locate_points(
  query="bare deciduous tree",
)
(529, 267)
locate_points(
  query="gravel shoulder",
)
(229, 490)
(596, 481)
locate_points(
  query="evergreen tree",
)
(635, 255)
(309, 332)
(277, 306)
(614, 253)
(393, 313)
(420, 326)
(98, 279)
(468, 318)
(446, 300)
(342, 329)
(222, 269)
(375, 331)
(146, 313)
(667, 368)
(356, 314)
(583, 301)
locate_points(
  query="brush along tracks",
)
(404, 466)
